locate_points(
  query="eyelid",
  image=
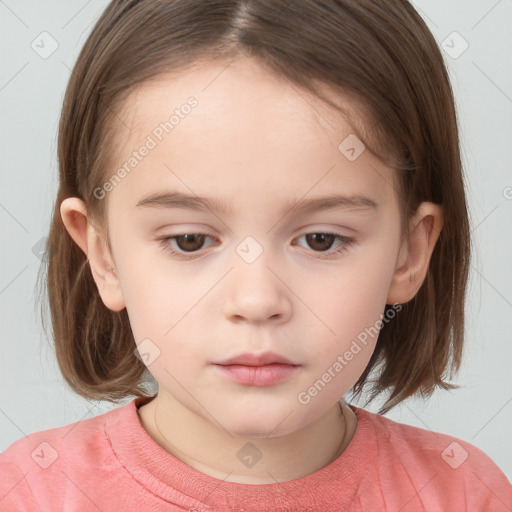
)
(346, 242)
(166, 241)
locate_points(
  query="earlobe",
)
(79, 226)
(414, 257)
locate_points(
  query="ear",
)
(414, 256)
(81, 229)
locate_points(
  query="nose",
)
(256, 295)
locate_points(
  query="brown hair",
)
(380, 53)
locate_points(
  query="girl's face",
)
(250, 223)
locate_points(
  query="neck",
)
(204, 446)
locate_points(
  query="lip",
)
(265, 375)
(251, 359)
(249, 369)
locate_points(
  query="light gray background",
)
(33, 394)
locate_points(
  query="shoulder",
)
(42, 464)
(77, 440)
(441, 466)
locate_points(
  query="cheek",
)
(164, 307)
(350, 301)
(155, 299)
(354, 313)
(352, 297)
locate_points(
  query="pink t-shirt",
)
(110, 463)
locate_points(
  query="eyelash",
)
(345, 243)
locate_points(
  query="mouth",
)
(252, 359)
(264, 375)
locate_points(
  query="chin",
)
(258, 424)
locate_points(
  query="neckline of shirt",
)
(174, 481)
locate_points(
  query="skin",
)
(258, 145)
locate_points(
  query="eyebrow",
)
(327, 202)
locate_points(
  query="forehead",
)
(242, 90)
(247, 128)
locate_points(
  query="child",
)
(261, 203)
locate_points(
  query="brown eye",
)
(190, 242)
(187, 245)
(325, 245)
(320, 241)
